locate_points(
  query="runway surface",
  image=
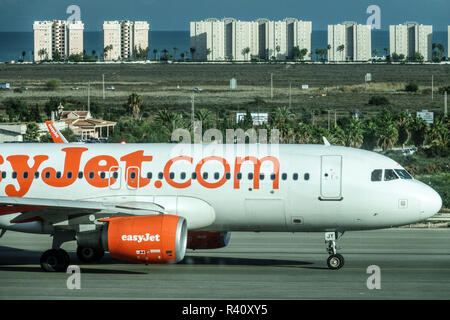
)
(414, 264)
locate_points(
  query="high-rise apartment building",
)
(124, 38)
(408, 38)
(230, 39)
(57, 38)
(349, 41)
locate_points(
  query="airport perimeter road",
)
(414, 264)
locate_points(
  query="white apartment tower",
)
(208, 39)
(60, 36)
(349, 41)
(409, 38)
(230, 39)
(124, 38)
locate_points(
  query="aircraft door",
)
(331, 178)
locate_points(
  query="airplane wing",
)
(197, 212)
(57, 211)
(56, 135)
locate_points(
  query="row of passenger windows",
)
(390, 174)
(183, 175)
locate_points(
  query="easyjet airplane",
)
(149, 202)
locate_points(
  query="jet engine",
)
(146, 239)
(207, 239)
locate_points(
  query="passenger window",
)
(377, 175)
(80, 175)
(47, 175)
(306, 176)
(160, 175)
(25, 175)
(403, 174)
(58, 175)
(261, 176)
(273, 176)
(183, 175)
(132, 175)
(91, 175)
(295, 176)
(115, 175)
(149, 175)
(205, 175)
(3, 175)
(194, 175)
(216, 176)
(69, 175)
(389, 175)
(250, 176)
(239, 176)
(284, 176)
(171, 175)
(102, 175)
(228, 176)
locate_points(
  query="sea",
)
(12, 44)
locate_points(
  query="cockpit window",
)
(389, 175)
(403, 174)
(377, 175)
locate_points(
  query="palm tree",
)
(134, 104)
(328, 51)
(439, 134)
(192, 50)
(208, 52)
(206, 117)
(43, 53)
(278, 49)
(403, 122)
(419, 129)
(282, 119)
(175, 49)
(23, 55)
(245, 52)
(387, 135)
(341, 49)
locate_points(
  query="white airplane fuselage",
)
(291, 188)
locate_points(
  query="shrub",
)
(411, 87)
(378, 101)
(52, 84)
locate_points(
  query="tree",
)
(42, 53)
(418, 57)
(303, 53)
(438, 52)
(192, 50)
(133, 104)
(208, 52)
(419, 130)
(341, 49)
(175, 49)
(296, 52)
(32, 134)
(106, 50)
(278, 49)
(245, 52)
(411, 87)
(155, 51)
(403, 121)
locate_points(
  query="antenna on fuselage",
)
(325, 142)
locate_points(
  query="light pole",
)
(103, 82)
(271, 86)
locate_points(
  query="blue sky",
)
(18, 15)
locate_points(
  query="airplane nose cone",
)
(430, 203)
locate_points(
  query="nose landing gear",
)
(335, 261)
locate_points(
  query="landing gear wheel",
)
(335, 261)
(55, 260)
(89, 255)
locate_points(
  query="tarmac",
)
(413, 264)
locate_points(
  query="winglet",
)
(56, 135)
(325, 142)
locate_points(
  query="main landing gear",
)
(335, 261)
(57, 259)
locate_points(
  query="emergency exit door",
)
(331, 178)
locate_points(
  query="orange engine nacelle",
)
(207, 239)
(146, 239)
